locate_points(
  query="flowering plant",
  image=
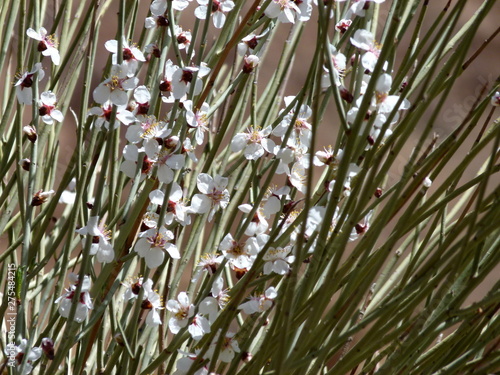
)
(231, 187)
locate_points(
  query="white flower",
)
(207, 263)
(301, 134)
(114, 88)
(153, 243)
(84, 302)
(104, 115)
(364, 39)
(183, 364)
(188, 148)
(272, 200)
(287, 11)
(176, 207)
(495, 99)
(182, 79)
(197, 119)
(183, 38)
(19, 352)
(258, 223)
(47, 108)
(132, 158)
(219, 7)
(131, 54)
(134, 287)
(249, 63)
(24, 82)
(427, 182)
(210, 306)
(385, 102)
(166, 84)
(327, 157)
(68, 196)
(255, 142)
(214, 195)
(198, 327)
(358, 7)
(361, 227)
(101, 247)
(142, 97)
(47, 44)
(298, 177)
(229, 347)
(152, 302)
(147, 128)
(181, 310)
(259, 303)
(239, 254)
(339, 66)
(277, 260)
(41, 197)
(343, 25)
(160, 6)
(166, 161)
(250, 42)
(158, 9)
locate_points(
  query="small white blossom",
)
(364, 39)
(47, 44)
(103, 114)
(229, 348)
(101, 245)
(152, 245)
(287, 11)
(153, 303)
(277, 260)
(181, 310)
(197, 119)
(84, 302)
(19, 352)
(47, 108)
(182, 79)
(131, 55)
(259, 303)
(24, 82)
(214, 195)
(255, 142)
(115, 88)
(219, 8)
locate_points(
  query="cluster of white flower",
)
(164, 150)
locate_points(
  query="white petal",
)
(111, 46)
(173, 251)
(157, 197)
(154, 257)
(204, 182)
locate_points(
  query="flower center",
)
(157, 240)
(166, 86)
(127, 54)
(216, 6)
(114, 83)
(187, 75)
(162, 21)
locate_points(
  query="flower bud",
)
(48, 347)
(345, 94)
(171, 142)
(119, 339)
(246, 357)
(25, 164)
(31, 133)
(41, 197)
(249, 63)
